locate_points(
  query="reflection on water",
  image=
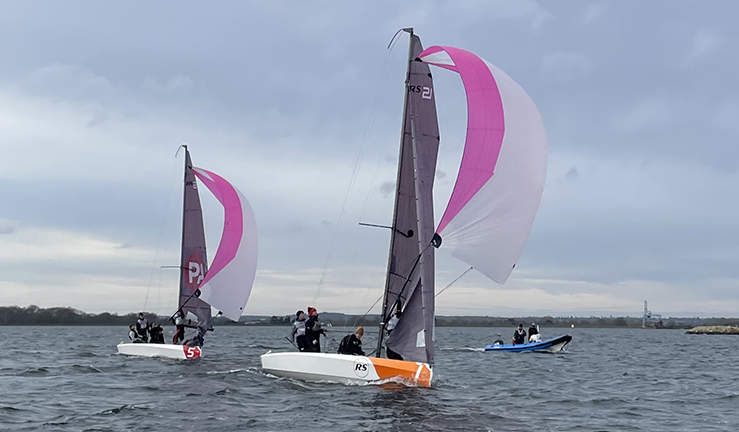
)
(403, 405)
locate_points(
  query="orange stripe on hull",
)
(418, 373)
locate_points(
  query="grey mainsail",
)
(410, 275)
(194, 260)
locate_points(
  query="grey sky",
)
(292, 100)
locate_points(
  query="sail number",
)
(191, 352)
(196, 273)
(426, 92)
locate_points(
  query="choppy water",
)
(71, 378)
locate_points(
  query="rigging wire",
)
(437, 294)
(452, 282)
(159, 241)
(356, 321)
(381, 160)
(355, 172)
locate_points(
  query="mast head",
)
(182, 146)
(408, 30)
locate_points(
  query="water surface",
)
(71, 378)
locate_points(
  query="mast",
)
(411, 261)
(193, 259)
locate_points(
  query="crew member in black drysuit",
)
(313, 331)
(142, 326)
(352, 343)
(156, 333)
(298, 331)
(198, 340)
(519, 336)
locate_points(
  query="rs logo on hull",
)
(361, 367)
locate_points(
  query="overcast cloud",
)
(299, 104)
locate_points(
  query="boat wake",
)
(393, 383)
(123, 408)
(230, 371)
(387, 384)
(463, 349)
(85, 369)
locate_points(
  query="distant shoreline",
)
(65, 316)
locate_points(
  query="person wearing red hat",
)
(313, 331)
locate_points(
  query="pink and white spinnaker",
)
(229, 280)
(501, 179)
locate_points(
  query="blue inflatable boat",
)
(553, 345)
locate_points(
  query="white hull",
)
(346, 369)
(557, 347)
(182, 352)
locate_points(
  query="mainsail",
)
(194, 261)
(501, 179)
(410, 274)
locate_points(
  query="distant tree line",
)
(339, 319)
(34, 315)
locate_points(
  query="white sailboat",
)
(226, 285)
(486, 222)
